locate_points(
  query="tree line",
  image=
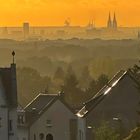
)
(77, 88)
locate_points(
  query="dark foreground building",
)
(116, 103)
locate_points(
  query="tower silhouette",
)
(109, 22)
(114, 21)
(112, 24)
(138, 34)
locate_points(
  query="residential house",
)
(48, 117)
(116, 103)
(8, 103)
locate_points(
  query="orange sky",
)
(54, 12)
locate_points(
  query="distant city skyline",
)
(54, 13)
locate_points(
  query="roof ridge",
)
(107, 85)
(104, 91)
(40, 94)
(47, 105)
(31, 101)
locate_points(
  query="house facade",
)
(49, 118)
(116, 103)
(8, 103)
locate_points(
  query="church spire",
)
(109, 23)
(114, 21)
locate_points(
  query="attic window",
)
(49, 123)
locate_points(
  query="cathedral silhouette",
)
(112, 24)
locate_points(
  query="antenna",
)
(13, 54)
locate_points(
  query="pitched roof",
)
(8, 76)
(40, 102)
(89, 105)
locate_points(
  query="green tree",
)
(30, 84)
(134, 135)
(106, 132)
(85, 78)
(58, 78)
(102, 81)
(59, 74)
(91, 90)
(73, 94)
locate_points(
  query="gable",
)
(40, 102)
(57, 111)
(58, 107)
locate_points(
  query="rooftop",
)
(89, 105)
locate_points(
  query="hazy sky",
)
(54, 12)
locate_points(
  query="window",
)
(21, 119)
(10, 125)
(49, 137)
(73, 129)
(49, 123)
(41, 136)
(34, 137)
(80, 135)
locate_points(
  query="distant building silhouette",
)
(67, 22)
(138, 34)
(91, 24)
(5, 31)
(109, 23)
(112, 24)
(26, 29)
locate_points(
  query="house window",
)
(10, 125)
(73, 129)
(21, 119)
(41, 136)
(49, 123)
(49, 137)
(80, 135)
(34, 137)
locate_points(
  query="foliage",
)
(102, 81)
(85, 78)
(106, 132)
(30, 84)
(134, 135)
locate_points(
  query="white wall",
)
(3, 114)
(59, 115)
(22, 133)
(81, 129)
(13, 117)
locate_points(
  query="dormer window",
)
(49, 123)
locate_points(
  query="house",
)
(48, 117)
(116, 103)
(8, 103)
(21, 124)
